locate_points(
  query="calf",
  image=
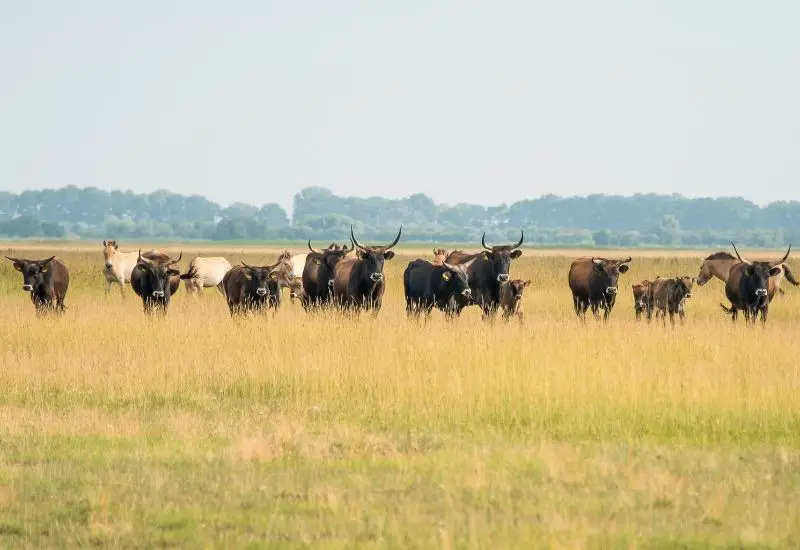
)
(669, 296)
(47, 281)
(511, 298)
(640, 298)
(428, 285)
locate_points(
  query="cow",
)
(719, 265)
(640, 298)
(439, 256)
(486, 274)
(155, 280)
(359, 283)
(318, 273)
(206, 272)
(669, 295)
(511, 298)
(47, 281)
(747, 287)
(593, 282)
(118, 266)
(428, 285)
(255, 288)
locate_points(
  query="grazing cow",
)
(746, 287)
(47, 280)
(250, 288)
(640, 298)
(118, 266)
(719, 265)
(318, 273)
(205, 273)
(669, 295)
(593, 282)
(359, 282)
(486, 275)
(511, 298)
(428, 285)
(439, 256)
(155, 280)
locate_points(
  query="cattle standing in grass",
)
(669, 296)
(205, 273)
(593, 282)
(428, 285)
(359, 283)
(640, 298)
(251, 288)
(118, 266)
(511, 298)
(439, 256)
(486, 274)
(47, 281)
(318, 275)
(719, 265)
(155, 280)
(746, 287)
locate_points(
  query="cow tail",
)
(727, 310)
(789, 275)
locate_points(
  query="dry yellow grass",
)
(295, 430)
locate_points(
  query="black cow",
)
(359, 283)
(251, 288)
(47, 280)
(430, 285)
(486, 274)
(747, 287)
(593, 282)
(155, 280)
(318, 275)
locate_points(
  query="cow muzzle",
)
(261, 291)
(518, 297)
(502, 278)
(27, 288)
(467, 292)
(376, 277)
(611, 290)
(688, 295)
(292, 295)
(761, 292)
(158, 294)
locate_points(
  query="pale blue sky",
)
(484, 102)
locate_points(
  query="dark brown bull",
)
(593, 282)
(256, 288)
(47, 281)
(155, 279)
(359, 283)
(719, 265)
(747, 287)
(318, 275)
(511, 298)
(669, 295)
(486, 275)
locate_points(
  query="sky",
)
(466, 101)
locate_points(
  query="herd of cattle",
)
(351, 278)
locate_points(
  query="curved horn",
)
(355, 242)
(173, 262)
(245, 265)
(627, 260)
(50, 259)
(521, 238)
(784, 258)
(738, 256)
(396, 239)
(597, 260)
(483, 241)
(311, 249)
(15, 260)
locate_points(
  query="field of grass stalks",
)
(315, 431)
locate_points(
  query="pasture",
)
(299, 430)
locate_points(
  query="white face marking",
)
(158, 293)
(376, 276)
(502, 278)
(611, 290)
(27, 288)
(261, 291)
(761, 292)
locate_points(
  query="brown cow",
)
(640, 298)
(719, 265)
(669, 295)
(593, 282)
(511, 298)
(47, 280)
(747, 286)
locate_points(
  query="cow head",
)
(109, 249)
(373, 257)
(500, 257)
(640, 293)
(455, 279)
(607, 272)
(685, 285)
(156, 275)
(516, 288)
(439, 256)
(33, 272)
(758, 273)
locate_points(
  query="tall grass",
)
(299, 429)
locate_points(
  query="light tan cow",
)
(206, 272)
(119, 265)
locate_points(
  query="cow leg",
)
(764, 311)
(671, 318)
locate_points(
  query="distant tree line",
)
(594, 220)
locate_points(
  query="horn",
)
(597, 260)
(784, 258)
(738, 256)
(15, 260)
(247, 266)
(311, 249)
(173, 262)
(626, 260)
(105, 243)
(483, 241)
(50, 259)
(396, 239)
(355, 242)
(521, 238)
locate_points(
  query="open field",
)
(294, 430)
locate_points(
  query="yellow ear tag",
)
(273, 275)
(446, 275)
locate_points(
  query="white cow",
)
(205, 273)
(119, 265)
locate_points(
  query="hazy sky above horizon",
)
(465, 101)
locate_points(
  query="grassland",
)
(313, 431)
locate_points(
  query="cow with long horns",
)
(486, 275)
(318, 273)
(747, 286)
(359, 283)
(155, 279)
(255, 288)
(47, 281)
(594, 282)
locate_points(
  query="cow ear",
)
(516, 254)
(774, 271)
(623, 268)
(526, 283)
(18, 266)
(315, 260)
(388, 255)
(599, 267)
(446, 275)
(247, 274)
(44, 268)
